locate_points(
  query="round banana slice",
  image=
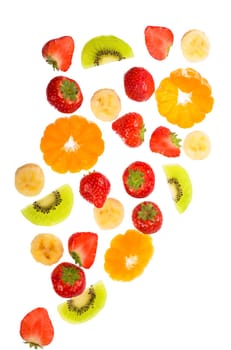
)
(29, 179)
(110, 215)
(197, 145)
(46, 248)
(195, 45)
(105, 104)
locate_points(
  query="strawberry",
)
(64, 94)
(68, 280)
(139, 84)
(165, 142)
(59, 52)
(36, 328)
(82, 247)
(158, 41)
(130, 127)
(147, 217)
(138, 179)
(95, 187)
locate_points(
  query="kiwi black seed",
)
(52, 208)
(105, 49)
(85, 306)
(180, 184)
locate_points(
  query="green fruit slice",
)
(180, 185)
(104, 49)
(51, 209)
(85, 306)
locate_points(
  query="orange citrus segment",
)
(128, 255)
(184, 97)
(72, 144)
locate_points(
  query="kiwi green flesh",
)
(104, 49)
(180, 185)
(52, 208)
(85, 306)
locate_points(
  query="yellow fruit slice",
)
(195, 45)
(110, 215)
(46, 248)
(29, 179)
(105, 104)
(197, 145)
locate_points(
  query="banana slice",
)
(197, 145)
(110, 215)
(29, 179)
(195, 45)
(105, 104)
(46, 248)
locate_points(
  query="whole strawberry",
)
(95, 187)
(64, 94)
(36, 328)
(147, 217)
(68, 280)
(139, 179)
(159, 41)
(139, 84)
(165, 142)
(130, 127)
(59, 52)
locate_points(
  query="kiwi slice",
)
(180, 185)
(104, 49)
(52, 208)
(85, 306)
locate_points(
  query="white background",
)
(182, 301)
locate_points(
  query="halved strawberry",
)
(158, 41)
(165, 142)
(130, 127)
(82, 247)
(36, 328)
(59, 52)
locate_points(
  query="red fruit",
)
(147, 217)
(36, 328)
(139, 84)
(64, 94)
(158, 41)
(82, 247)
(59, 52)
(130, 127)
(139, 179)
(95, 187)
(68, 280)
(165, 142)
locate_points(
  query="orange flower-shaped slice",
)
(71, 144)
(128, 255)
(184, 98)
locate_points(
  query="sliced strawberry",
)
(95, 187)
(36, 328)
(165, 142)
(82, 247)
(59, 52)
(64, 94)
(158, 41)
(130, 127)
